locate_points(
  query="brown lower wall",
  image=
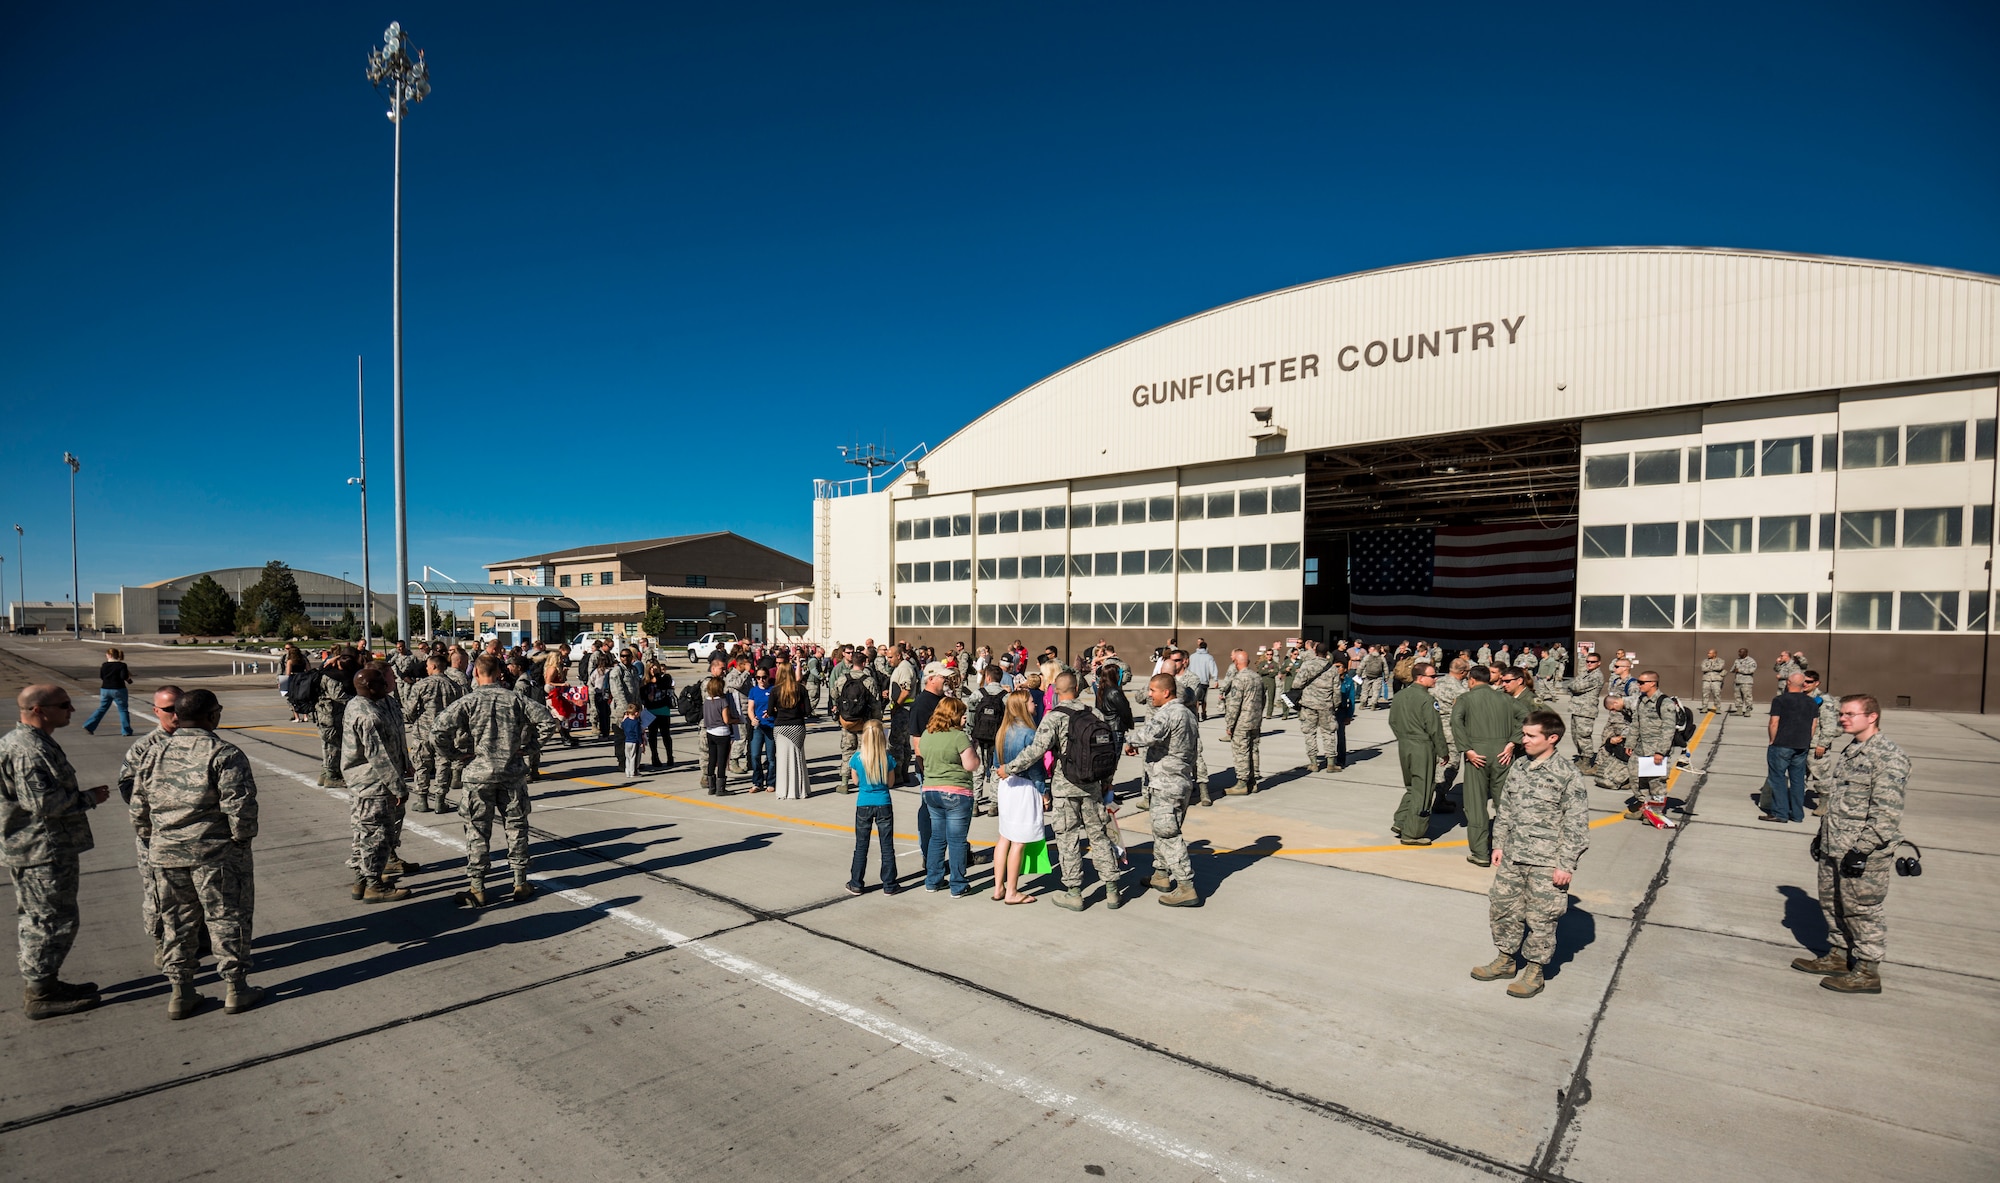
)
(1935, 671)
(1134, 645)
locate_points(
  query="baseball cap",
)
(936, 669)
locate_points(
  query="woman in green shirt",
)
(949, 762)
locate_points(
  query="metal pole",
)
(75, 585)
(367, 583)
(21, 566)
(402, 491)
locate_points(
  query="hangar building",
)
(1664, 449)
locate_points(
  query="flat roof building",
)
(154, 608)
(1663, 449)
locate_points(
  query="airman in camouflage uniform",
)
(456, 664)
(1168, 739)
(138, 762)
(1189, 688)
(1485, 655)
(1242, 719)
(1711, 682)
(1584, 691)
(1784, 667)
(1539, 835)
(1826, 738)
(1615, 766)
(534, 696)
(1745, 668)
(1316, 686)
(197, 813)
(1079, 809)
(336, 687)
(437, 772)
(43, 834)
(491, 731)
(1856, 850)
(375, 762)
(1446, 690)
(1651, 735)
(850, 739)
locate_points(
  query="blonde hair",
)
(874, 753)
(1020, 709)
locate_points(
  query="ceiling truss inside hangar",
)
(1515, 475)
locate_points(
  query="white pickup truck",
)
(700, 651)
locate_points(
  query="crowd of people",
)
(978, 732)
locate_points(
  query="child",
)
(635, 736)
(874, 771)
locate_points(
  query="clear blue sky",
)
(660, 261)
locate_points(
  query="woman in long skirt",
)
(1021, 800)
(790, 707)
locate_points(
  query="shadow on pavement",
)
(1804, 919)
(1575, 932)
(1211, 866)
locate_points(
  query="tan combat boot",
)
(523, 890)
(1072, 899)
(400, 866)
(1833, 961)
(358, 889)
(1160, 881)
(45, 998)
(239, 995)
(184, 1002)
(1530, 982)
(1182, 896)
(472, 897)
(1864, 978)
(1500, 967)
(381, 892)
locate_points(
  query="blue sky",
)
(660, 261)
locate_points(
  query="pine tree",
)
(207, 610)
(655, 624)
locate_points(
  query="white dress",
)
(1020, 809)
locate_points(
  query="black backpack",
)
(1677, 719)
(304, 691)
(1089, 756)
(857, 700)
(689, 703)
(987, 716)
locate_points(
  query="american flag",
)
(1462, 583)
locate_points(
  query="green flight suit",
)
(1420, 744)
(1484, 720)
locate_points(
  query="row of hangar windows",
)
(1865, 529)
(1167, 507)
(1854, 611)
(1106, 614)
(1191, 560)
(1874, 447)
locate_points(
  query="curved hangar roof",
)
(1479, 342)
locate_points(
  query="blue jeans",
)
(104, 700)
(950, 816)
(763, 751)
(1786, 769)
(883, 819)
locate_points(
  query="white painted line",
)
(1021, 1085)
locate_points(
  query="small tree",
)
(655, 624)
(298, 624)
(207, 610)
(386, 629)
(347, 628)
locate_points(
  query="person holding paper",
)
(1652, 739)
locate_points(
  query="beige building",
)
(155, 608)
(1664, 449)
(703, 582)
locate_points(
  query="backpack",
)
(1677, 719)
(1406, 669)
(689, 703)
(856, 703)
(1088, 756)
(305, 691)
(654, 695)
(987, 716)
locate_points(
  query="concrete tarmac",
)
(695, 996)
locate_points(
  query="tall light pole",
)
(367, 584)
(408, 81)
(20, 568)
(75, 584)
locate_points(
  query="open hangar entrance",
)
(1457, 538)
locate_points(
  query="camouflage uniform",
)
(1585, 690)
(1485, 721)
(1168, 740)
(1650, 736)
(1374, 668)
(334, 695)
(850, 741)
(1864, 812)
(1746, 685)
(1191, 690)
(1615, 766)
(1826, 735)
(1079, 809)
(1447, 690)
(138, 763)
(1484, 656)
(197, 814)
(438, 772)
(1711, 683)
(1543, 826)
(1242, 715)
(1420, 744)
(373, 754)
(45, 833)
(490, 730)
(1317, 702)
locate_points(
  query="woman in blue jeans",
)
(949, 762)
(873, 811)
(116, 679)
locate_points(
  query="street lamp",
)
(20, 568)
(361, 482)
(409, 81)
(75, 584)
